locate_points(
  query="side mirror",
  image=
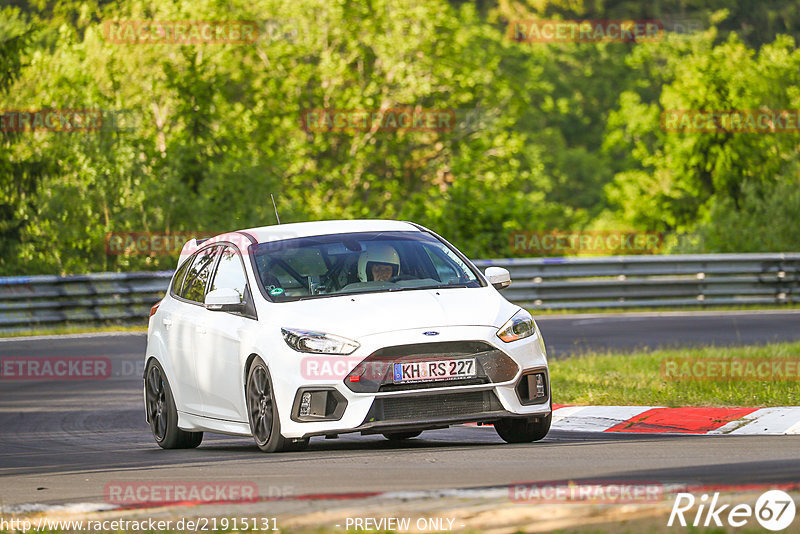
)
(499, 278)
(224, 299)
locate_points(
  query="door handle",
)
(166, 321)
(201, 329)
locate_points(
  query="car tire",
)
(262, 412)
(400, 436)
(162, 414)
(518, 430)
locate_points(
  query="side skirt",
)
(198, 423)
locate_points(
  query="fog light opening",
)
(318, 405)
(305, 404)
(532, 388)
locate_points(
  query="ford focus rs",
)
(292, 331)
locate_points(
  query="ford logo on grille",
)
(430, 333)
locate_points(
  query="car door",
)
(183, 320)
(217, 357)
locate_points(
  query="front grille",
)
(493, 365)
(435, 384)
(433, 350)
(432, 407)
(425, 407)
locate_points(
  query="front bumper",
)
(381, 406)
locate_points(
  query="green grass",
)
(75, 329)
(638, 379)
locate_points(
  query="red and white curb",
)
(660, 420)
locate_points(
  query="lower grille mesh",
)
(439, 406)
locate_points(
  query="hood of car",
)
(358, 315)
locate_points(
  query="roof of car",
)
(264, 234)
(304, 229)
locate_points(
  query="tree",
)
(677, 179)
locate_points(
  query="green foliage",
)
(675, 180)
(548, 136)
(756, 23)
(764, 221)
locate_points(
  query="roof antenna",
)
(276, 208)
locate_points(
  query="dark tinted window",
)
(194, 288)
(363, 262)
(177, 282)
(447, 267)
(230, 273)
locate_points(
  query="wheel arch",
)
(248, 364)
(168, 372)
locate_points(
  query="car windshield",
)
(364, 262)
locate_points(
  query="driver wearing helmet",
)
(379, 263)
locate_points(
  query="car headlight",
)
(518, 327)
(317, 342)
(540, 338)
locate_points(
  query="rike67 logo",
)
(774, 510)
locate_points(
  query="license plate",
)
(434, 370)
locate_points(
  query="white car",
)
(321, 328)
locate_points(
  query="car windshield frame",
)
(422, 236)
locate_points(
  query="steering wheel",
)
(401, 277)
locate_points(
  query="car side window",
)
(230, 273)
(194, 288)
(177, 282)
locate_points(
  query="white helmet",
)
(377, 253)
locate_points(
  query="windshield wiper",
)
(382, 290)
(425, 287)
(342, 294)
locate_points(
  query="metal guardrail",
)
(637, 281)
(538, 283)
(27, 301)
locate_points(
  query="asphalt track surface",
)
(63, 441)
